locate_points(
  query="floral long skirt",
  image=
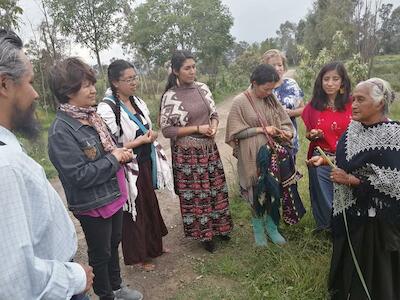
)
(201, 186)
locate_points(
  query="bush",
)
(310, 66)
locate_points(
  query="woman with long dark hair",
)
(260, 133)
(189, 118)
(128, 119)
(326, 118)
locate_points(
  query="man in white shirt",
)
(37, 237)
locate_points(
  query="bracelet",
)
(198, 129)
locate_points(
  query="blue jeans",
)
(321, 193)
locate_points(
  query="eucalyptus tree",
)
(158, 27)
(94, 24)
(9, 14)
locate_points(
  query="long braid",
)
(118, 109)
(171, 82)
(114, 72)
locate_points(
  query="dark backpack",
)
(112, 105)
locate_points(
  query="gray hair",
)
(380, 90)
(12, 63)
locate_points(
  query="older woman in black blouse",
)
(367, 194)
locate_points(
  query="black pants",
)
(103, 237)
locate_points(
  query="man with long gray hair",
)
(37, 237)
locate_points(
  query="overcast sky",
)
(254, 20)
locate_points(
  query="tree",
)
(310, 66)
(237, 49)
(48, 35)
(268, 43)
(299, 36)
(326, 18)
(211, 36)
(44, 48)
(150, 31)
(42, 61)
(390, 30)
(287, 40)
(367, 24)
(158, 27)
(362, 23)
(93, 23)
(9, 14)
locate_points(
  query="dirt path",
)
(174, 269)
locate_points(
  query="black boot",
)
(226, 238)
(209, 246)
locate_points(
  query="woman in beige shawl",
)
(246, 135)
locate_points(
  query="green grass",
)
(387, 67)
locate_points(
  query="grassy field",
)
(386, 67)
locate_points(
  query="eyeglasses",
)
(129, 80)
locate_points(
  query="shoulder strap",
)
(134, 118)
(261, 120)
(202, 97)
(112, 104)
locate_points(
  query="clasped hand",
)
(149, 137)
(207, 130)
(340, 176)
(281, 134)
(123, 155)
(315, 134)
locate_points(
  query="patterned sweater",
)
(186, 106)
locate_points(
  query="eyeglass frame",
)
(129, 80)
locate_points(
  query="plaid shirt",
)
(37, 237)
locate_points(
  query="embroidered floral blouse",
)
(290, 96)
(333, 123)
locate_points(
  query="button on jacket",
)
(86, 171)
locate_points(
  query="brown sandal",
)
(146, 266)
(166, 250)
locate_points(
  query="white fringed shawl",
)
(129, 127)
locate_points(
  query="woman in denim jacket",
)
(90, 169)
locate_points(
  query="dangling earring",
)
(341, 90)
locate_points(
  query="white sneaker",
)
(125, 293)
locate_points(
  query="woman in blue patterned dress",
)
(286, 90)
